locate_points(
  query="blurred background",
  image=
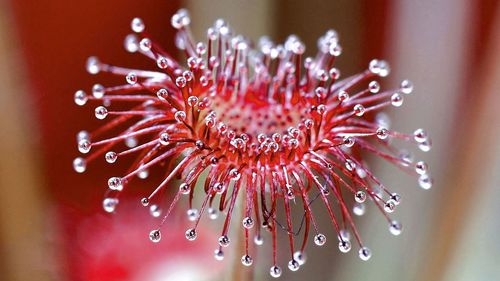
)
(51, 223)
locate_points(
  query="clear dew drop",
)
(180, 116)
(406, 87)
(162, 62)
(344, 235)
(365, 253)
(109, 204)
(425, 181)
(212, 213)
(344, 246)
(224, 241)
(184, 188)
(350, 165)
(84, 146)
(131, 142)
(101, 112)
(389, 206)
(137, 25)
(379, 67)
(115, 183)
(192, 214)
(343, 96)
(349, 141)
(373, 87)
(396, 198)
(359, 110)
(382, 133)
(235, 174)
(421, 168)
(155, 236)
(258, 240)
(300, 257)
(154, 211)
(131, 78)
(145, 44)
(395, 228)
(246, 260)
(420, 135)
(79, 165)
(191, 234)
(425, 146)
(359, 209)
(131, 43)
(93, 65)
(218, 254)
(247, 222)
(360, 196)
(319, 239)
(98, 91)
(143, 174)
(293, 265)
(275, 271)
(396, 100)
(80, 98)
(111, 157)
(145, 202)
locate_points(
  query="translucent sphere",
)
(365, 253)
(155, 236)
(320, 239)
(344, 246)
(395, 228)
(109, 204)
(293, 265)
(191, 234)
(246, 260)
(224, 241)
(275, 271)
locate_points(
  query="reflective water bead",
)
(93, 65)
(258, 240)
(425, 181)
(359, 209)
(111, 157)
(191, 234)
(396, 100)
(131, 142)
(98, 91)
(334, 73)
(131, 78)
(84, 146)
(389, 206)
(155, 236)
(344, 235)
(145, 201)
(219, 187)
(275, 271)
(293, 265)
(137, 25)
(101, 112)
(395, 228)
(350, 165)
(365, 253)
(143, 174)
(425, 146)
(212, 213)
(343, 96)
(154, 211)
(344, 246)
(360, 196)
(320, 239)
(379, 67)
(421, 168)
(145, 44)
(349, 141)
(246, 260)
(224, 241)
(109, 204)
(247, 222)
(218, 254)
(201, 48)
(406, 87)
(382, 133)
(79, 165)
(180, 82)
(235, 174)
(164, 138)
(131, 43)
(359, 110)
(192, 100)
(420, 135)
(184, 188)
(373, 87)
(396, 198)
(80, 98)
(162, 62)
(192, 214)
(180, 116)
(300, 257)
(335, 50)
(115, 183)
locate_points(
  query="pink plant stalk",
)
(263, 126)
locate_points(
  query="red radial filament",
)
(256, 133)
